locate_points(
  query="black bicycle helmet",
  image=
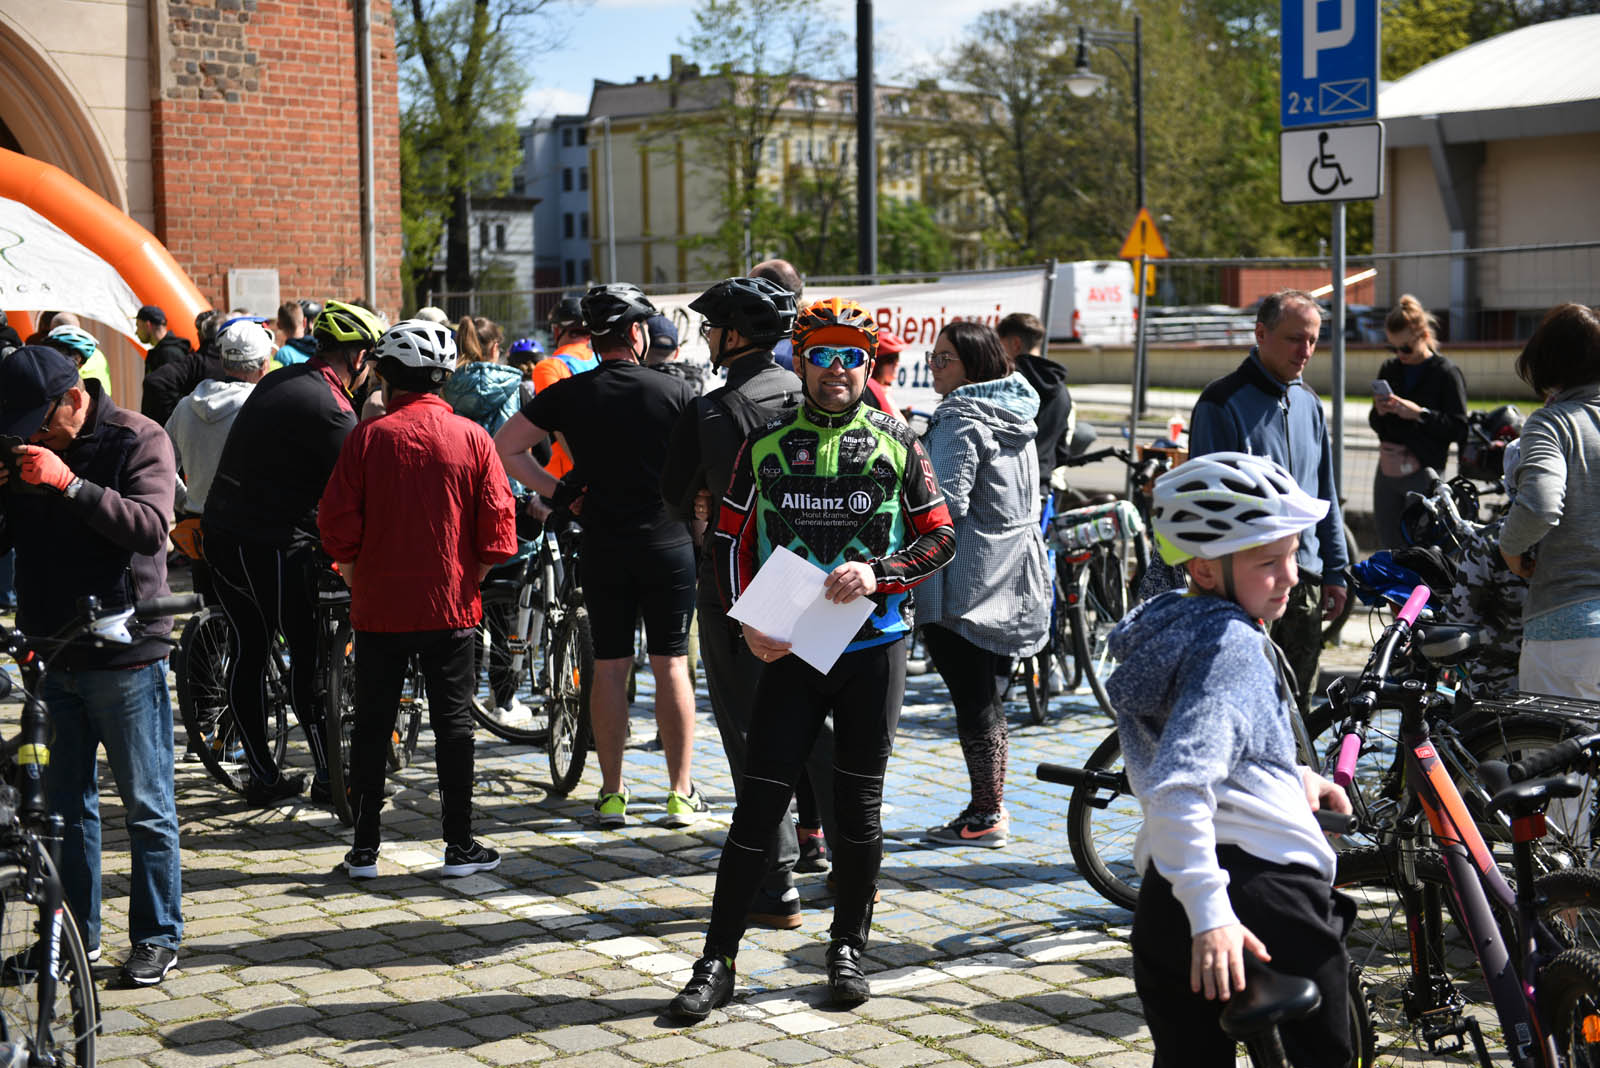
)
(612, 308)
(568, 312)
(761, 310)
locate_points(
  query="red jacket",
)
(418, 500)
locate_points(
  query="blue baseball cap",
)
(32, 378)
(661, 332)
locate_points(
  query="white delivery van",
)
(1094, 303)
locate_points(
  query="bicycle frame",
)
(1469, 865)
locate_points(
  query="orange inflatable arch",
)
(131, 250)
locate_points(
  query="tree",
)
(463, 67)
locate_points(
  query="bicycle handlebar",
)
(1370, 687)
(1564, 756)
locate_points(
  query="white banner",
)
(916, 312)
(43, 269)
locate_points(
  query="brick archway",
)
(48, 118)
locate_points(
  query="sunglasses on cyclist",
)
(849, 357)
(1402, 350)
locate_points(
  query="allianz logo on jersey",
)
(858, 503)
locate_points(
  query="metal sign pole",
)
(1049, 302)
(1137, 400)
(1338, 347)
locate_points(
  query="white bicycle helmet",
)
(420, 344)
(244, 345)
(1223, 502)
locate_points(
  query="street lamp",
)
(1083, 82)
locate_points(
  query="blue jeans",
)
(130, 713)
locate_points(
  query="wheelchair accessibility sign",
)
(1331, 163)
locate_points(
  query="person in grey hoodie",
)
(1231, 856)
(1556, 506)
(199, 424)
(992, 603)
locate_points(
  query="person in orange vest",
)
(570, 355)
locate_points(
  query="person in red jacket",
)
(416, 512)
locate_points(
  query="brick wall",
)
(256, 142)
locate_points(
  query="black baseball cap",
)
(152, 314)
(662, 334)
(32, 378)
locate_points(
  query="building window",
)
(566, 179)
(805, 98)
(483, 235)
(583, 177)
(566, 225)
(569, 269)
(583, 135)
(847, 101)
(583, 225)
(500, 236)
(587, 274)
(566, 137)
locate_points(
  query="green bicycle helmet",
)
(346, 325)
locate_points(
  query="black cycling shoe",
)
(710, 987)
(266, 795)
(847, 983)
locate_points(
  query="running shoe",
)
(987, 829)
(611, 810)
(148, 964)
(813, 850)
(362, 863)
(469, 859)
(684, 809)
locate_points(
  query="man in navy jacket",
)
(1265, 408)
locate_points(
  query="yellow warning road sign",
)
(1143, 239)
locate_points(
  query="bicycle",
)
(1546, 997)
(200, 665)
(49, 1009)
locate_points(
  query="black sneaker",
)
(710, 987)
(265, 795)
(321, 792)
(468, 859)
(361, 863)
(813, 851)
(148, 964)
(780, 912)
(847, 984)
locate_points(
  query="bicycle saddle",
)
(1449, 643)
(1526, 797)
(1268, 998)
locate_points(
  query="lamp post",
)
(1083, 82)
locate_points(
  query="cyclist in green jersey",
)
(849, 488)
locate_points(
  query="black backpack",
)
(751, 413)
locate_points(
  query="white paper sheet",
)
(785, 601)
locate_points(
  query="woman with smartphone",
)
(1419, 406)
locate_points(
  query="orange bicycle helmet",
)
(835, 321)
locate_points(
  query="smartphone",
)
(1380, 388)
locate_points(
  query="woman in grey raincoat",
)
(992, 603)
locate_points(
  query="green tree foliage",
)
(1417, 32)
(462, 77)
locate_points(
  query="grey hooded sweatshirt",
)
(198, 427)
(996, 592)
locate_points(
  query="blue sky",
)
(910, 37)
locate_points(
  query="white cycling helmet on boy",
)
(1223, 502)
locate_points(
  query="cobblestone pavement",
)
(567, 954)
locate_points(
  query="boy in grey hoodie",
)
(1232, 858)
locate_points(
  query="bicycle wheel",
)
(1102, 601)
(339, 715)
(521, 673)
(1569, 997)
(571, 672)
(200, 666)
(74, 1015)
(1569, 901)
(408, 719)
(1569, 821)
(1101, 828)
(1378, 942)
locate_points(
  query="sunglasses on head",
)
(848, 356)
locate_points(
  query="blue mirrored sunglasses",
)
(825, 355)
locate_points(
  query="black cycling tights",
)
(266, 591)
(863, 692)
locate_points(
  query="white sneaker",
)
(514, 713)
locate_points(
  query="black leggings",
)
(264, 591)
(863, 692)
(446, 659)
(971, 674)
(1302, 922)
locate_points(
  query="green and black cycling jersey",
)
(833, 488)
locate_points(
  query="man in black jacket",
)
(86, 506)
(1022, 335)
(175, 379)
(165, 346)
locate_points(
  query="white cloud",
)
(542, 101)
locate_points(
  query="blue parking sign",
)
(1330, 61)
